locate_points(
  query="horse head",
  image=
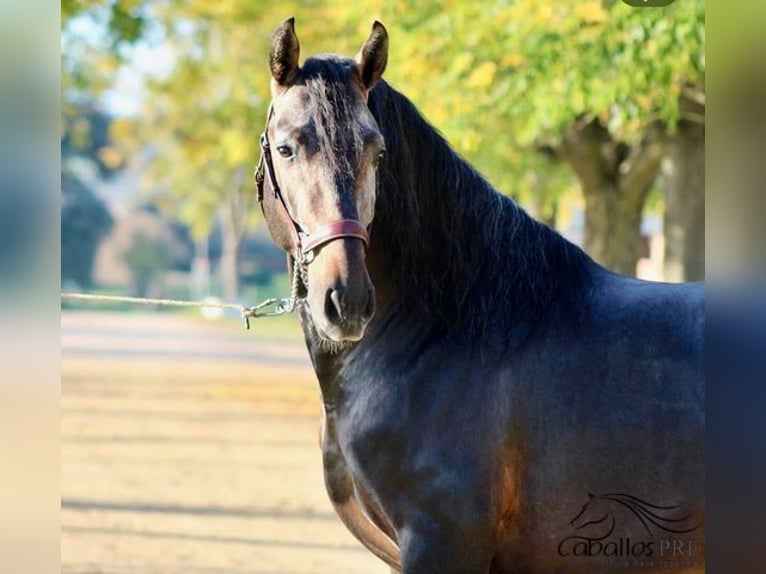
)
(595, 511)
(324, 147)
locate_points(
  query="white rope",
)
(282, 306)
(147, 301)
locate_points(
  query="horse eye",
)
(380, 156)
(285, 151)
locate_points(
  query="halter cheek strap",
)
(305, 243)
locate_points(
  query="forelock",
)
(333, 105)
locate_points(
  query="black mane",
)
(461, 253)
(464, 257)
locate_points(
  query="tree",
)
(147, 257)
(205, 116)
(594, 84)
(684, 176)
(616, 179)
(85, 221)
(95, 36)
(87, 136)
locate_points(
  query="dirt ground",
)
(192, 446)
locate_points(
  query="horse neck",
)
(450, 246)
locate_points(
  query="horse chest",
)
(411, 434)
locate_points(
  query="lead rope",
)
(281, 306)
(299, 274)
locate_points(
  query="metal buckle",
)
(281, 307)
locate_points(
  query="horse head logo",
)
(599, 511)
(593, 512)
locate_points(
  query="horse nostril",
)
(369, 307)
(333, 306)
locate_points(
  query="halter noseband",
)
(305, 243)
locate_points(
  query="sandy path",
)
(187, 453)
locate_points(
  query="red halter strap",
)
(333, 231)
(304, 242)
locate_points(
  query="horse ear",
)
(285, 49)
(373, 56)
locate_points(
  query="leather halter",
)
(305, 243)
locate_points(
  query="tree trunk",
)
(200, 269)
(233, 222)
(230, 265)
(616, 179)
(613, 226)
(684, 224)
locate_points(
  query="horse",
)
(479, 373)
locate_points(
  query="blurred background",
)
(590, 114)
(189, 444)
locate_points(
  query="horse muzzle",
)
(341, 296)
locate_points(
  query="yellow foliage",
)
(462, 62)
(197, 156)
(632, 126)
(111, 157)
(578, 99)
(644, 101)
(513, 60)
(121, 130)
(650, 48)
(590, 13)
(483, 75)
(105, 65)
(437, 113)
(545, 60)
(469, 142)
(543, 16)
(235, 147)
